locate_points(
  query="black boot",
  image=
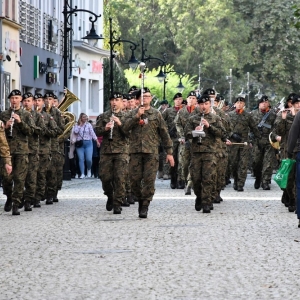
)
(109, 204)
(21, 204)
(217, 199)
(125, 203)
(49, 201)
(8, 204)
(181, 184)
(15, 210)
(117, 209)
(143, 211)
(37, 203)
(27, 206)
(198, 204)
(265, 186)
(188, 190)
(257, 182)
(173, 183)
(206, 209)
(130, 199)
(55, 199)
(140, 206)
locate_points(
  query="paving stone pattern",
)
(247, 248)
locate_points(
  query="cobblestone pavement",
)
(247, 248)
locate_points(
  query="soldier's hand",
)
(17, 118)
(278, 138)
(141, 111)
(8, 123)
(284, 114)
(181, 140)
(8, 168)
(170, 159)
(205, 123)
(109, 125)
(228, 142)
(117, 120)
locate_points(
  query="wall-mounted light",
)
(19, 63)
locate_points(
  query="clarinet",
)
(10, 135)
(110, 138)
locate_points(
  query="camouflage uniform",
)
(13, 184)
(55, 165)
(49, 131)
(143, 149)
(33, 158)
(184, 149)
(175, 172)
(282, 128)
(239, 154)
(4, 148)
(113, 158)
(203, 158)
(263, 152)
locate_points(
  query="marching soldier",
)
(263, 153)
(241, 122)
(203, 149)
(49, 131)
(33, 157)
(18, 126)
(148, 129)
(52, 176)
(169, 116)
(113, 153)
(4, 150)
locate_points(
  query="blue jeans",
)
(298, 184)
(85, 153)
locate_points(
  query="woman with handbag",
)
(84, 145)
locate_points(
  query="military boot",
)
(160, 175)
(181, 184)
(125, 203)
(49, 201)
(21, 204)
(173, 183)
(198, 204)
(265, 186)
(37, 203)
(130, 199)
(188, 190)
(27, 206)
(15, 210)
(143, 212)
(211, 206)
(109, 204)
(117, 209)
(8, 204)
(55, 199)
(217, 199)
(257, 182)
(206, 209)
(140, 206)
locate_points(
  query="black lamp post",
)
(133, 62)
(92, 38)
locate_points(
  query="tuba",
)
(70, 118)
(275, 145)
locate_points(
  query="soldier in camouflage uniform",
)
(49, 131)
(18, 126)
(113, 153)
(169, 116)
(184, 147)
(239, 154)
(263, 153)
(4, 151)
(33, 157)
(282, 126)
(52, 179)
(147, 129)
(203, 158)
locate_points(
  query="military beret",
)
(132, 89)
(115, 95)
(177, 95)
(37, 96)
(219, 98)
(204, 98)
(139, 92)
(291, 96)
(15, 93)
(55, 97)
(184, 102)
(209, 92)
(192, 93)
(239, 99)
(296, 98)
(49, 94)
(164, 102)
(26, 95)
(264, 98)
(127, 97)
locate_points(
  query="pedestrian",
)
(18, 126)
(147, 129)
(84, 145)
(203, 152)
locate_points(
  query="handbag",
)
(79, 143)
(281, 177)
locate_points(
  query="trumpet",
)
(12, 118)
(110, 138)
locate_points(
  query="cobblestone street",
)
(247, 248)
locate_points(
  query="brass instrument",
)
(10, 135)
(275, 145)
(221, 104)
(70, 118)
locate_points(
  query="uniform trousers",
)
(44, 161)
(31, 177)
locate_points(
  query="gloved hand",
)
(236, 137)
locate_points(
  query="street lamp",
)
(180, 87)
(92, 37)
(133, 62)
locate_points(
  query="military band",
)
(201, 140)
